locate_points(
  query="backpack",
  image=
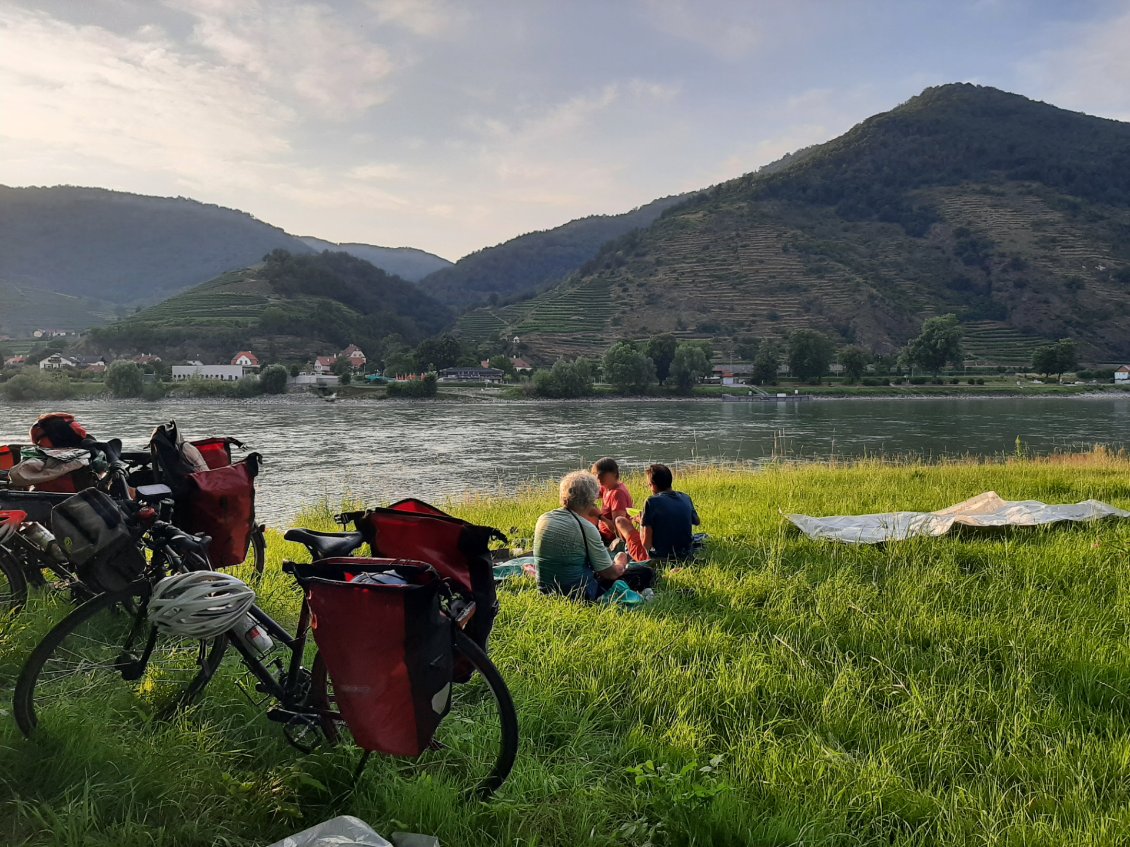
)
(58, 429)
(92, 530)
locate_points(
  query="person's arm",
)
(602, 564)
(646, 537)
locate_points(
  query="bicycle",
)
(476, 742)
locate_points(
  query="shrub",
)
(153, 391)
(867, 380)
(416, 388)
(918, 380)
(273, 379)
(123, 379)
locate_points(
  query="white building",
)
(224, 373)
(1122, 374)
(56, 362)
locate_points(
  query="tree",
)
(689, 366)
(661, 350)
(272, 379)
(444, 351)
(341, 366)
(295, 370)
(1066, 356)
(399, 364)
(565, 379)
(1045, 359)
(504, 364)
(939, 343)
(810, 353)
(123, 379)
(854, 359)
(627, 369)
(746, 347)
(765, 364)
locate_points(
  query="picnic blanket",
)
(984, 511)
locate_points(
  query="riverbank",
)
(777, 691)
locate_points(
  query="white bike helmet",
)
(199, 604)
(8, 526)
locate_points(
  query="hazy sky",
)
(452, 126)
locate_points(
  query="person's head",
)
(659, 477)
(579, 492)
(606, 471)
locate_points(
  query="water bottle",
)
(42, 538)
(255, 637)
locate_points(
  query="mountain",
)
(1011, 213)
(529, 263)
(286, 308)
(405, 262)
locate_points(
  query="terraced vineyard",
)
(995, 343)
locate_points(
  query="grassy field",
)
(964, 690)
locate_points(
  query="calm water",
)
(380, 451)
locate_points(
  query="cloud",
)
(429, 18)
(724, 30)
(1091, 73)
(300, 51)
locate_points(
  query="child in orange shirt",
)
(615, 500)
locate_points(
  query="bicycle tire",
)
(336, 732)
(13, 584)
(46, 686)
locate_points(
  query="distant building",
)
(733, 374)
(15, 361)
(324, 364)
(56, 361)
(471, 375)
(355, 356)
(223, 373)
(245, 359)
(146, 359)
(520, 366)
(1122, 374)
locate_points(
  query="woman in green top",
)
(570, 556)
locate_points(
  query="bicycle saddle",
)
(325, 545)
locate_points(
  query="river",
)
(378, 451)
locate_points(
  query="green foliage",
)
(765, 364)
(416, 388)
(855, 360)
(153, 391)
(1055, 358)
(810, 354)
(504, 364)
(123, 379)
(565, 380)
(30, 385)
(627, 369)
(689, 366)
(661, 351)
(272, 379)
(937, 345)
(444, 351)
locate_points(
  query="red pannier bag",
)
(458, 550)
(216, 451)
(221, 503)
(388, 649)
(9, 456)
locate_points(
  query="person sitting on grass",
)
(615, 524)
(570, 557)
(667, 518)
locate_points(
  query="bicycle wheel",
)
(258, 551)
(13, 584)
(106, 656)
(476, 743)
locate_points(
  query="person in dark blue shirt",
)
(667, 517)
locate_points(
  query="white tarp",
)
(984, 510)
(344, 831)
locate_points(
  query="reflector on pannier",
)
(387, 647)
(458, 550)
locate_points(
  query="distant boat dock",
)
(765, 397)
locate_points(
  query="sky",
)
(453, 125)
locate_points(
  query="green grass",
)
(963, 690)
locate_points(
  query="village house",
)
(355, 356)
(245, 359)
(222, 373)
(471, 375)
(1122, 375)
(521, 366)
(146, 359)
(732, 374)
(55, 362)
(15, 361)
(324, 364)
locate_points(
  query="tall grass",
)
(963, 690)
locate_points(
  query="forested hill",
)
(1014, 214)
(285, 308)
(405, 262)
(532, 262)
(124, 248)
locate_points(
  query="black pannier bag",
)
(387, 648)
(458, 550)
(92, 530)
